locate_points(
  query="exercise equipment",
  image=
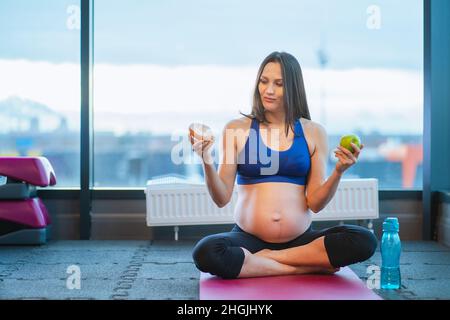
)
(343, 285)
(23, 216)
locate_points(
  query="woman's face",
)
(271, 87)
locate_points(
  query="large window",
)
(161, 65)
(40, 83)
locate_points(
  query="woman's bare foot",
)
(266, 253)
(316, 270)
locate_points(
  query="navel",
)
(276, 216)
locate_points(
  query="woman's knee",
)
(350, 245)
(204, 253)
(215, 254)
(366, 243)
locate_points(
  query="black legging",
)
(221, 254)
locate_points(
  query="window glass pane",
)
(40, 83)
(160, 66)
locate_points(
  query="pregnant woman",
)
(279, 156)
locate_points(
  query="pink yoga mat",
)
(343, 285)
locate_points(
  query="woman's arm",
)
(220, 184)
(319, 191)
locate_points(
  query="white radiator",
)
(178, 204)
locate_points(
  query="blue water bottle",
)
(391, 248)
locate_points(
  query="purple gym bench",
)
(23, 216)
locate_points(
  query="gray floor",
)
(164, 270)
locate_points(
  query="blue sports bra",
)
(258, 163)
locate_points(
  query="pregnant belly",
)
(273, 213)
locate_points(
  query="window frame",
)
(87, 193)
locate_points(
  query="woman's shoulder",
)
(311, 126)
(239, 123)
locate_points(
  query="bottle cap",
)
(391, 224)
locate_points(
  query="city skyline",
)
(159, 66)
(198, 60)
(145, 97)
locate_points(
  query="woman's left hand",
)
(346, 158)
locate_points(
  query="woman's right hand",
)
(202, 148)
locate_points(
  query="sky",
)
(199, 59)
(231, 32)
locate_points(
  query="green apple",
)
(347, 139)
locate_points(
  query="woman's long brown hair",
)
(294, 95)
